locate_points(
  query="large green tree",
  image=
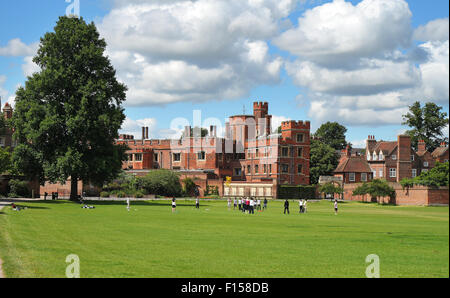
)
(323, 160)
(68, 114)
(332, 134)
(426, 123)
(5, 160)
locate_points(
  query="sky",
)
(359, 63)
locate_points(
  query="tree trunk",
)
(73, 188)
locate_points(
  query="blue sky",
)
(354, 62)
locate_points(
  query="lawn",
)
(151, 241)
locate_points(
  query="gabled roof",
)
(353, 164)
(439, 151)
(386, 147)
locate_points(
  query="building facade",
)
(6, 140)
(256, 159)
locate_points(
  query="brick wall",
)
(417, 195)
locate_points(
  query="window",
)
(368, 155)
(265, 168)
(177, 157)
(299, 168)
(130, 157)
(138, 157)
(257, 153)
(201, 155)
(299, 152)
(381, 173)
(394, 157)
(351, 177)
(374, 173)
(284, 151)
(424, 170)
(2, 142)
(381, 156)
(256, 169)
(414, 173)
(155, 157)
(425, 163)
(392, 172)
(412, 157)
(237, 172)
(284, 168)
(364, 177)
(375, 156)
(270, 168)
(299, 138)
(249, 169)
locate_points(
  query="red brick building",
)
(396, 160)
(6, 140)
(353, 168)
(256, 159)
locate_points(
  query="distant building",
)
(353, 168)
(6, 140)
(256, 160)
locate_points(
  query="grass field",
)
(151, 241)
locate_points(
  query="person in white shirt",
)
(128, 204)
(259, 204)
(174, 205)
(300, 204)
(252, 204)
(234, 204)
(197, 203)
(335, 207)
(240, 204)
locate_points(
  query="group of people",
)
(248, 205)
(301, 204)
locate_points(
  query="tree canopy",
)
(437, 176)
(376, 188)
(332, 134)
(426, 124)
(68, 114)
(323, 160)
(5, 160)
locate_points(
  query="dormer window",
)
(375, 156)
(368, 155)
(394, 157)
(381, 156)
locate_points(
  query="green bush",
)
(121, 194)
(297, 192)
(138, 194)
(104, 194)
(18, 189)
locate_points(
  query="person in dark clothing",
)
(286, 206)
(265, 204)
(45, 195)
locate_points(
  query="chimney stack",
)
(146, 132)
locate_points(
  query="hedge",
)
(297, 192)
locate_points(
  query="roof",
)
(439, 151)
(353, 164)
(386, 147)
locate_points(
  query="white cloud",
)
(436, 30)
(435, 72)
(173, 51)
(16, 47)
(374, 76)
(134, 127)
(338, 33)
(29, 67)
(357, 64)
